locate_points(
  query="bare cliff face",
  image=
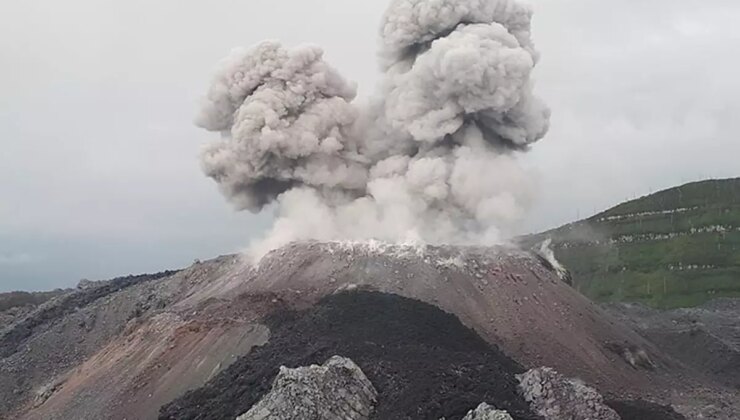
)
(127, 349)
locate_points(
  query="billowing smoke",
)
(285, 115)
(431, 158)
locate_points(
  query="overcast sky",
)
(99, 173)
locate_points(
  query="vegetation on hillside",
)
(676, 248)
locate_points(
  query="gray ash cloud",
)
(432, 156)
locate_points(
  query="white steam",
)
(432, 159)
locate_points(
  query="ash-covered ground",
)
(706, 337)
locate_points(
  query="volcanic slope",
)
(124, 352)
(706, 337)
(122, 348)
(424, 363)
(15, 305)
(675, 248)
(506, 295)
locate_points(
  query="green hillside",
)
(676, 248)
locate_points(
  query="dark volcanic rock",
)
(123, 349)
(14, 337)
(506, 295)
(423, 362)
(706, 338)
(59, 334)
(643, 410)
(13, 300)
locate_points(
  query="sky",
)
(99, 171)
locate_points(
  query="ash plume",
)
(284, 114)
(431, 158)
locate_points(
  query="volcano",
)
(436, 330)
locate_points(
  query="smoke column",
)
(431, 158)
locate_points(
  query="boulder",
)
(486, 412)
(337, 390)
(556, 397)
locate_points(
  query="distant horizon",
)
(100, 165)
(73, 285)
